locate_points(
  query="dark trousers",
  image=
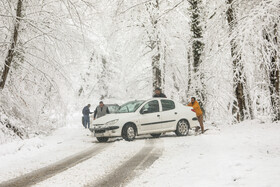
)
(86, 121)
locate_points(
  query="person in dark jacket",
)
(158, 93)
(86, 112)
(101, 110)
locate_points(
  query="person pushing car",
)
(101, 110)
(198, 112)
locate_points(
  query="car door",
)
(168, 114)
(149, 116)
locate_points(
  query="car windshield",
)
(129, 107)
(113, 108)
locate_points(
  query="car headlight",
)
(111, 122)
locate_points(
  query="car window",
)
(113, 108)
(167, 105)
(131, 106)
(151, 107)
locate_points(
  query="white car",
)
(154, 116)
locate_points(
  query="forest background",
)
(56, 56)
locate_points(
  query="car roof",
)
(153, 98)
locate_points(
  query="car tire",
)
(182, 128)
(156, 135)
(102, 139)
(129, 132)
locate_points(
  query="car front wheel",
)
(102, 139)
(182, 128)
(129, 132)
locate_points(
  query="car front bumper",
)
(110, 131)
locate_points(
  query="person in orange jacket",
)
(198, 112)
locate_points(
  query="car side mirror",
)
(145, 111)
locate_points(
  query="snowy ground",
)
(246, 154)
(21, 157)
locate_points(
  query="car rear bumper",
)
(193, 122)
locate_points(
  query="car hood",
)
(110, 117)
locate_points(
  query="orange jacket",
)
(196, 108)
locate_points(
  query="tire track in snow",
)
(133, 167)
(44, 173)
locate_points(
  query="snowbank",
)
(247, 154)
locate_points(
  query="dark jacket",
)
(86, 111)
(160, 95)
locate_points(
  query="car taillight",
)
(193, 110)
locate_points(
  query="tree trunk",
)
(11, 52)
(152, 8)
(197, 45)
(189, 72)
(239, 80)
(102, 81)
(274, 77)
(197, 49)
(157, 72)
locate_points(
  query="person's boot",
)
(202, 129)
(197, 128)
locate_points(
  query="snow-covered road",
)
(246, 154)
(44, 173)
(133, 167)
